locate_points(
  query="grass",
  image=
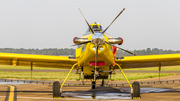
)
(163, 68)
(136, 76)
(25, 67)
(38, 75)
(73, 76)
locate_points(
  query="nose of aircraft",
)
(97, 38)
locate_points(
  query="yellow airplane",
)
(95, 59)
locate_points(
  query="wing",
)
(36, 60)
(149, 61)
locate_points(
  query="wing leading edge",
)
(36, 60)
(149, 61)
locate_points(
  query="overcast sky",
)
(54, 23)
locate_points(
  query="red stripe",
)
(98, 63)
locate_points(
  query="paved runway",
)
(38, 92)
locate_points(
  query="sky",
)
(54, 23)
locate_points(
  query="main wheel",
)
(56, 89)
(136, 90)
(93, 84)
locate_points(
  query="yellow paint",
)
(105, 55)
(57, 97)
(95, 24)
(125, 77)
(68, 75)
(136, 97)
(32, 57)
(78, 52)
(152, 58)
(14, 62)
(11, 94)
(105, 38)
(89, 54)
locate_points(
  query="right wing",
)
(148, 61)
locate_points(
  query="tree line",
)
(49, 51)
(71, 52)
(147, 51)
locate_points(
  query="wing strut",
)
(67, 77)
(31, 69)
(159, 70)
(125, 77)
(135, 88)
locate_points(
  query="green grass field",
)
(73, 76)
(163, 68)
(25, 67)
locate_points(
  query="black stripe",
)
(7, 94)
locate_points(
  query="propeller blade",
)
(96, 62)
(75, 45)
(121, 49)
(81, 43)
(85, 19)
(126, 51)
(96, 56)
(113, 21)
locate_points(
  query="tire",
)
(136, 90)
(56, 89)
(93, 84)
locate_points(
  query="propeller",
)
(75, 44)
(85, 19)
(121, 49)
(96, 73)
(113, 21)
(125, 50)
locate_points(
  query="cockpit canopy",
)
(96, 27)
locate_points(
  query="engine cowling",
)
(77, 40)
(118, 41)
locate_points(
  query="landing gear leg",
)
(102, 84)
(57, 89)
(135, 89)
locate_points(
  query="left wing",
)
(36, 60)
(149, 61)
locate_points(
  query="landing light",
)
(100, 48)
(94, 48)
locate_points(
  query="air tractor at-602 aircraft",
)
(95, 59)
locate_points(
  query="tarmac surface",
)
(38, 92)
